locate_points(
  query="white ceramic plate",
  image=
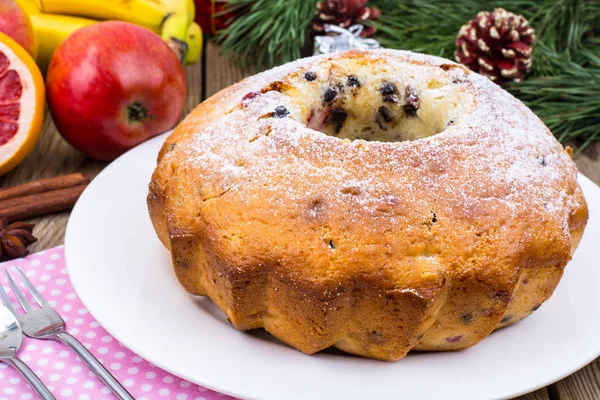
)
(123, 275)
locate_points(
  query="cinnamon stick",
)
(38, 204)
(43, 185)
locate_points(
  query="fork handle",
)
(33, 379)
(95, 366)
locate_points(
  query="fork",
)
(45, 323)
(11, 337)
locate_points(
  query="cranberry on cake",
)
(376, 201)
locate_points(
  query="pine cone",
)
(497, 45)
(345, 13)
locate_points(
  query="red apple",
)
(113, 85)
(15, 23)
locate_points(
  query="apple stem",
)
(136, 112)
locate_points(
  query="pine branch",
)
(269, 33)
(569, 105)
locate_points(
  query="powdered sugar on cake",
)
(507, 158)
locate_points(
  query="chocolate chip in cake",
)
(542, 161)
(503, 296)
(331, 244)
(385, 113)
(338, 117)
(310, 76)
(536, 307)
(390, 98)
(459, 78)
(412, 101)
(419, 337)
(506, 319)
(172, 146)
(383, 116)
(280, 112)
(353, 81)
(434, 217)
(387, 88)
(467, 318)
(330, 95)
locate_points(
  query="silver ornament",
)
(343, 39)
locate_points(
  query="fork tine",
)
(6, 300)
(24, 303)
(36, 295)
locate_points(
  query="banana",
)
(171, 19)
(174, 32)
(194, 42)
(51, 31)
(31, 6)
(191, 11)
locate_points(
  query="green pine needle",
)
(269, 33)
(563, 88)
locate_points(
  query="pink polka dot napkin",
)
(64, 373)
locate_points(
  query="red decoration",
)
(345, 13)
(211, 15)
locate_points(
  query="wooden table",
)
(53, 157)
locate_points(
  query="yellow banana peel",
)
(141, 12)
(51, 30)
(31, 6)
(173, 20)
(194, 42)
(174, 32)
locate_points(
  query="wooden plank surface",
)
(541, 394)
(582, 385)
(53, 157)
(588, 162)
(219, 72)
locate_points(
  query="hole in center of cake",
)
(386, 110)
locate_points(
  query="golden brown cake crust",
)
(374, 247)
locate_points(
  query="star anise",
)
(14, 239)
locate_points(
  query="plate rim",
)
(575, 365)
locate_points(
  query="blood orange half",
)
(21, 103)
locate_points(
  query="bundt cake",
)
(375, 201)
